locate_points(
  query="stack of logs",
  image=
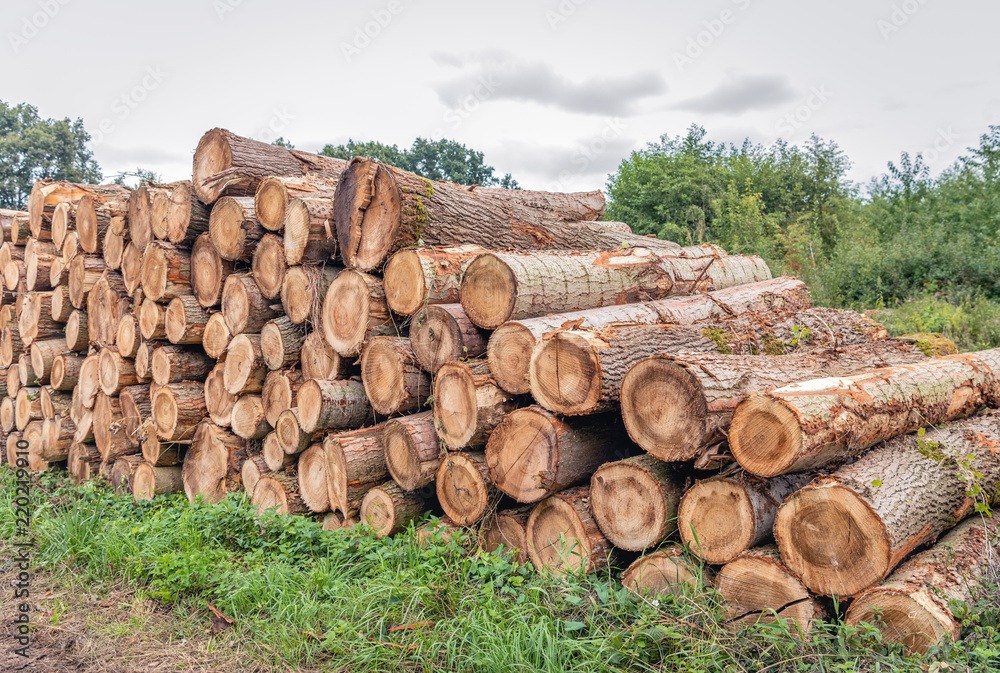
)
(349, 340)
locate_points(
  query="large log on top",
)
(563, 536)
(511, 345)
(379, 209)
(848, 530)
(225, 163)
(678, 406)
(926, 599)
(213, 463)
(502, 286)
(533, 454)
(818, 421)
(634, 501)
(355, 464)
(416, 277)
(468, 403)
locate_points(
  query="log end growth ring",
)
(346, 309)
(212, 155)
(522, 454)
(268, 494)
(271, 203)
(659, 574)
(489, 291)
(382, 375)
(378, 511)
(436, 339)
(462, 491)
(368, 212)
(225, 226)
(765, 436)
(455, 414)
(900, 617)
(404, 282)
(716, 518)
(401, 455)
(565, 374)
(557, 539)
(629, 507)
(509, 353)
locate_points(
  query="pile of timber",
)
(350, 341)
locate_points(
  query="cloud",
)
(742, 93)
(497, 75)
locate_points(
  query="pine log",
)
(113, 249)
(65, 371)
(443, 332)
(634, 501)
(96, 213)
(417, 277)
(59, 305)
(38, 259)
(178, 408)
(393, 380)
(109, 431)
(326, 405)
(303, 290)
(225, 163)
(412, 450)
(722, 517)
(927, 598)
(846, 531)
(159, 206)
(157, 452)
(274, 456)
(144, 361)
(63, 220)
(290, 436)
(84, 272)
(139, 217)
(208, 271)
(278, 393)
(667, 571)
(278, 490)
(54, 403)
(760, 590)
(173, 364)
(388, 508)
(131, 268)
(77, 331)
(312, 479)
(105, 307)
(355, 464)
(280, 343)
(89, 383)
(468, 403)
(43, 354)
(69, 250)
(508, 528)
(215, 338)
(248, 419)
(354, 310)
(187, 217)
(35, 318)
(149, 480)
(83, 462)
(137, 412)
(463, 487)
(245, 369)
(511, 345)
(310, 234)
(253, 468)
(563, 536)
(212, 465)
(10, 345)
(269, 265)
(234, 229)
(243, 306)
(27, 407)
(46, 195)
(185, 321)
(218, 400)
(128, 336)
(819, 421)
(121, 471)
(320, 361)
(115, 372)
(275, 193)
(165, 271)
(533, 454)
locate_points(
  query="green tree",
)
(32, 148)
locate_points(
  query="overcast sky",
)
(556, 93)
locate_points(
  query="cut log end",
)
(507, 528)
(565, 374)
(462, 488)
(663, 573)
(312, 479)
(765, 436)
(716, 518)
(522, 447)
(559, 538)
(509, 354)
(632, 506)
(758, 589)
(902, 618)
(455, 406)
(216, 337)
(270, 203)
(346, 310)
(405, 289)
(489, 289)
(208, 271)
(269, 265)
(367, 209)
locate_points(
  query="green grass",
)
(301, 596)
(972, 323)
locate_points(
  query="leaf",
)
(876, 483)
(574, 626)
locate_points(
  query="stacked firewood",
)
(351, 341)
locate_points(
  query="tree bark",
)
(355, 464)
(47, 194)
(121, 471)
(212, 465)
(83, 462)
(634, 501)
(463, 487)
(845, 532)
(312, 479)
(468, 403)
(245, 369)
(443, 332)
(667, 571)
(533, 454)
(55, 403)
(417, 277)
(248, 419)
(278, 490)
(563, 536)
(388, 508)
(275, 193)
(149, 481)
(922, 603)
(65, 371)
(279, 392)
(816, 422)
(173, 364)
(354, 310)
(326, 405)
(165, 271)
(185, 320)
(280, 343)
(412, 450)
(218, 400)
(393, 380)
(234, 229)
(178, 409)
(208, 271)
(310, 233)
(303, 290)
(25, 372)
(243, 306)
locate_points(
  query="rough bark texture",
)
(416, 277)
(65, 371)
(173, 364)
(355, 464)
(412, 450)
(388, 508)
(152, 480)
(332, 404)
(310, 233)
(563, 536)
(634, 501)
(354, 310)
(443, 332)
(212, 465)
(165, 272)
(468, 403)
(393, 380)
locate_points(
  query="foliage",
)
(281, 142)
(32, 148)
(436, 160)
(972, 323)
(136, 177)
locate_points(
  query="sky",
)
(555, 92)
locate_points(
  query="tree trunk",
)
(269, 266)
(497, 287)
(463, 487)
(354, 310)
(212, 464)
(275, 193)
(412, 450)
(215, 339)
(27, 407)
(355, 464)
(508, 528)
(278, 394)
(393, 380)
(178, 409)
(38, 259)
(173, 364)
(243, 306)
(137, 412)
(634, 501)
(208, 271)
(443, 332)
(678, 406)
(512, 343)
(43, 354)
(302, 292)
(759, 590)
(388, 508)
(722, 517)
(149, 481)
(280, 343)
(105, 308)
(225, 163)
(253, 468)
(274, 456)
(533, 454)
(59, 305)
(320, 361)
(78, 331)
(278, 490)
(248, 419)
(65, 371)
(95, 214)
(165, 272)
(310, 233)
(312, 479)
(468, 403)
(845, 532)
(115, 371)
(218, 400)
(47, 194)
(187, 217)
(113, 249)
(926, 599)
(131, 268)
(84, 272)
(234, 229)
(417, 277)
(563, 536)
(109, 431)
(326, 405)
(245, 369)
(185, 321)
(54, 403)
(35, 318)
(667, 571)
(816, 422)
(16, 229)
